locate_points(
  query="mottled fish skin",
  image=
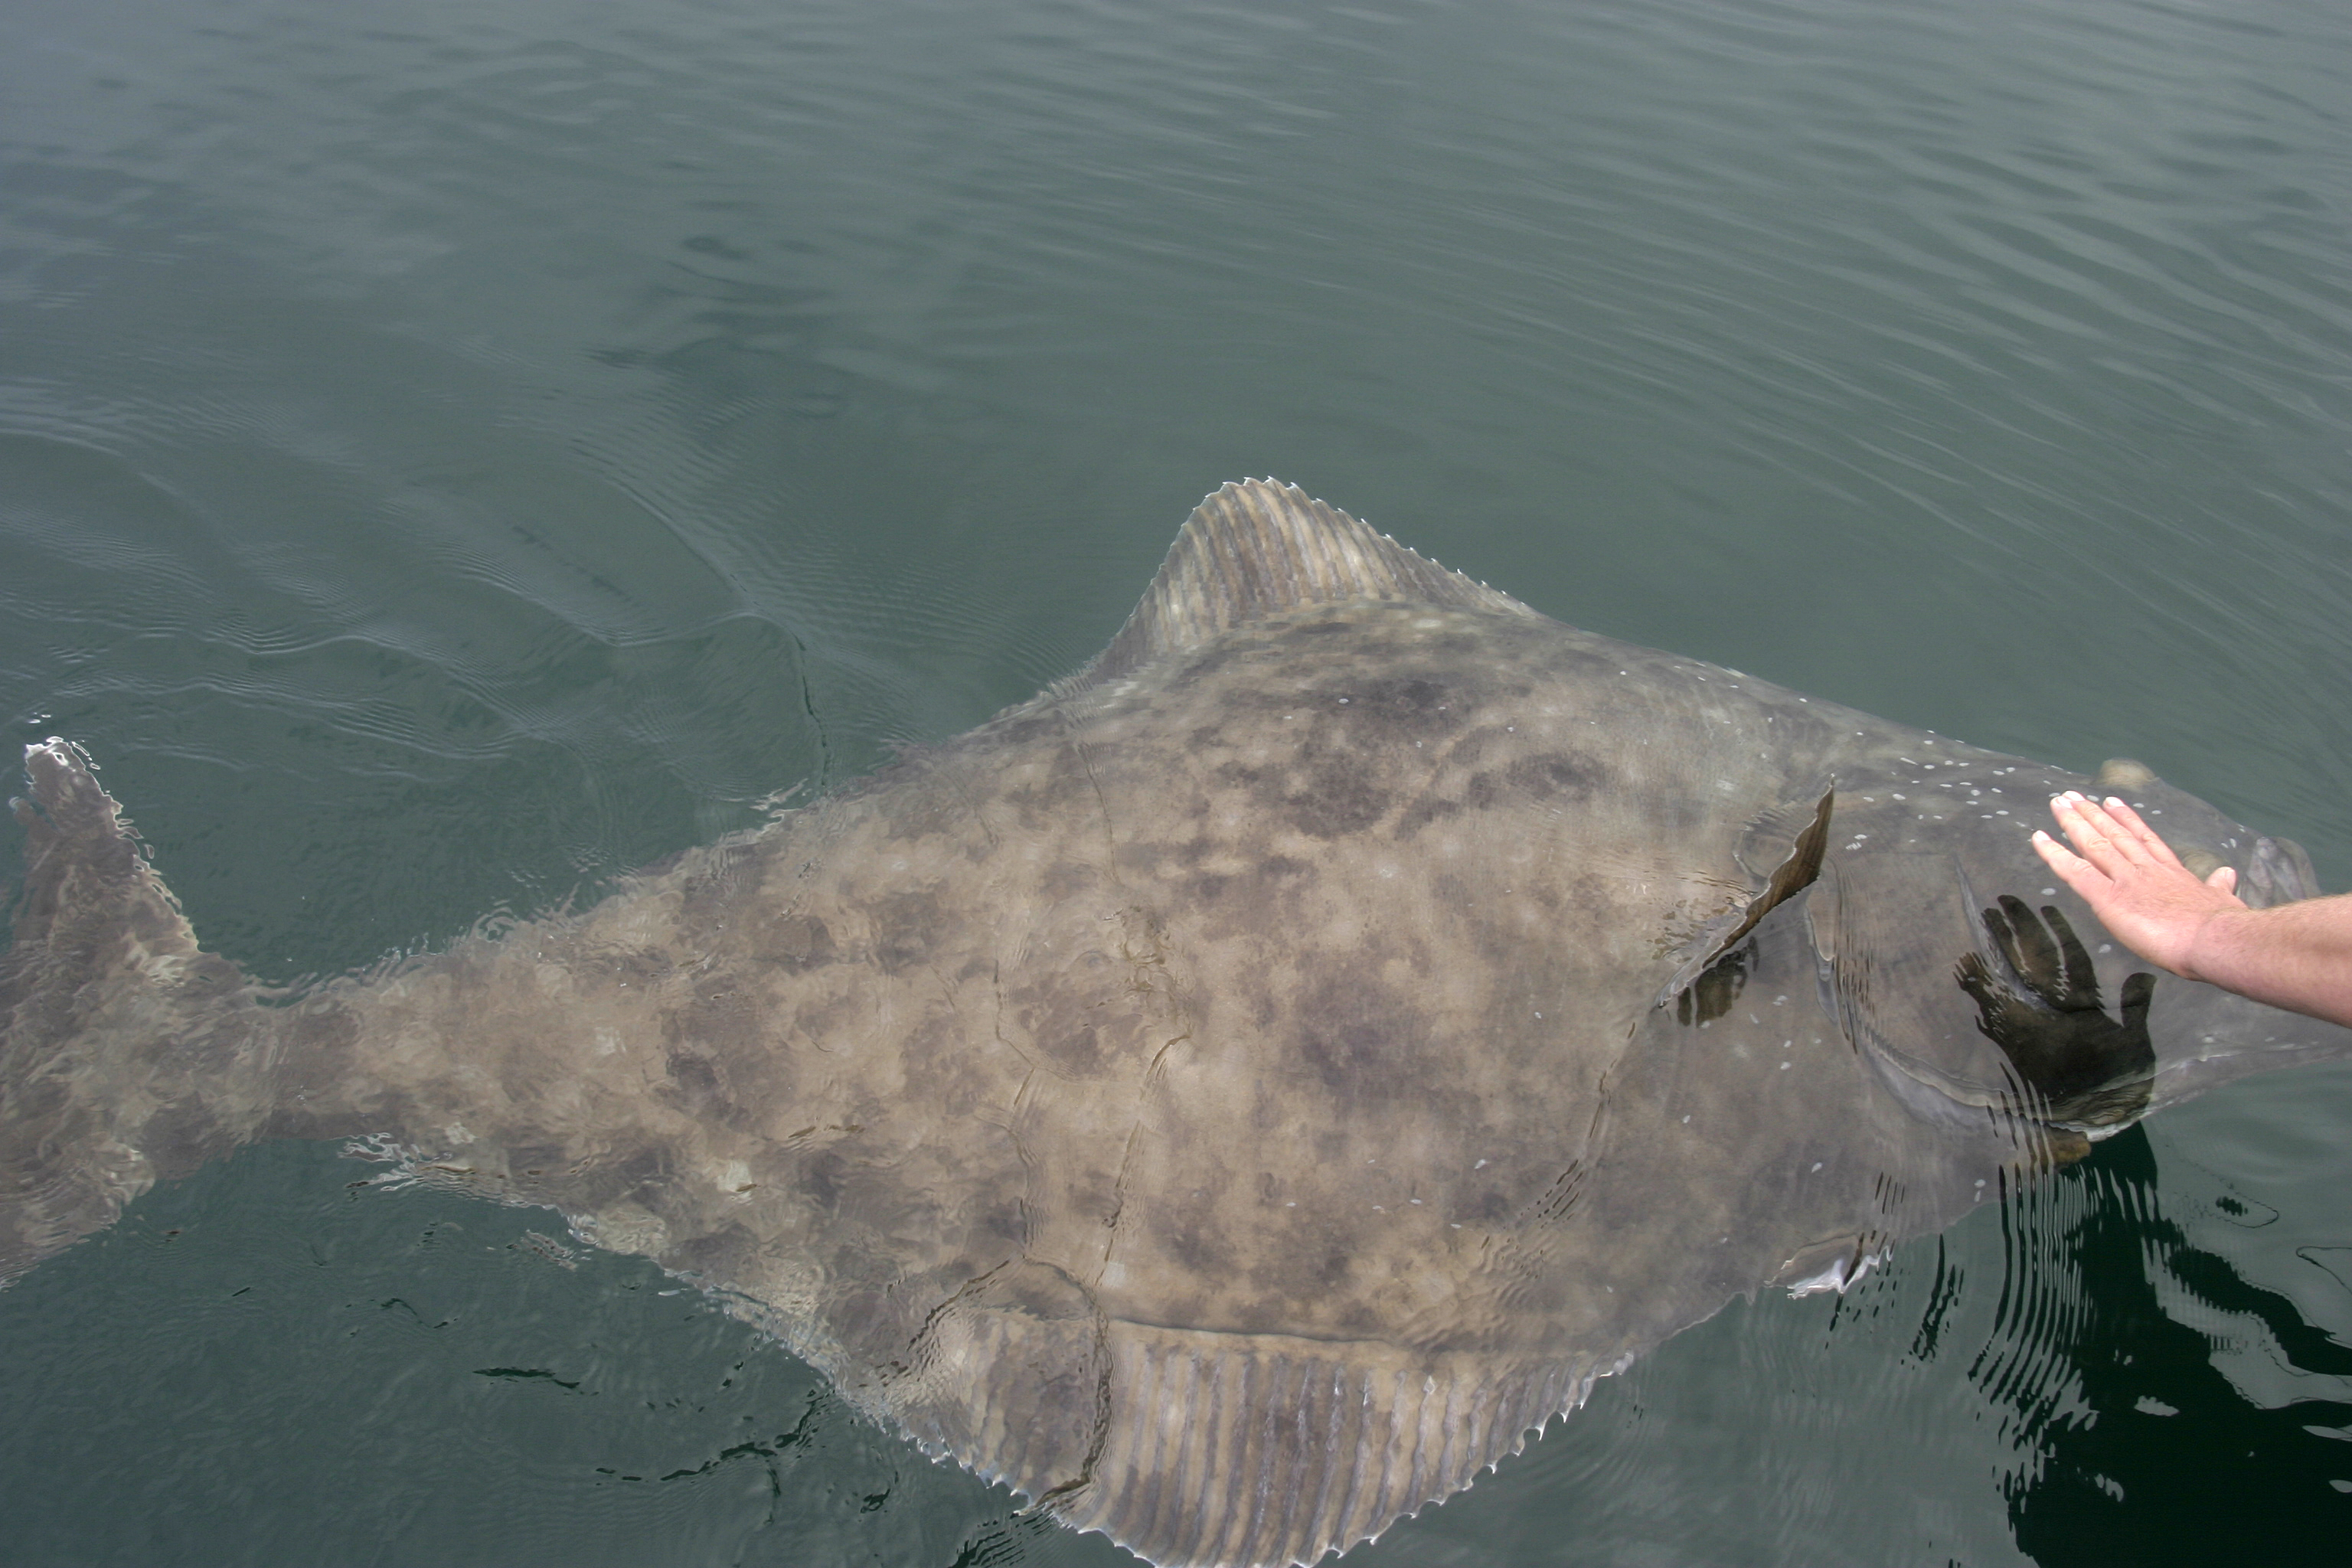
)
(1234, 1096)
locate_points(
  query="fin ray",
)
(1258, 548)
(1211, 1436)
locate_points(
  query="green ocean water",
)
(451, 454)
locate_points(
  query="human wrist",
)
(2212, 950)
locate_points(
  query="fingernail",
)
(2113, 800)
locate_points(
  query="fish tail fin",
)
(127, 1054)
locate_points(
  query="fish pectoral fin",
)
(1782, 845)
(1258, 548)
(1792, 839)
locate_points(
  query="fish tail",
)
(127, 1054)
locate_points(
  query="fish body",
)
(1237, 1095)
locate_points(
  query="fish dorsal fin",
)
(1258, 548)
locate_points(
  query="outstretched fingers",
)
(2110, 835)
(2131, 879)
(2138, 834)
(2072, 869)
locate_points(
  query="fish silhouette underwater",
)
(1241, 1093)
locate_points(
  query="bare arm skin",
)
(2297, 957)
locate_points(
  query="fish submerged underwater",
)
(1241, 1093)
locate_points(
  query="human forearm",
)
(2297, 957)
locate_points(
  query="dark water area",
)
(452, 455)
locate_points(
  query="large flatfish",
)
(1237, 1095)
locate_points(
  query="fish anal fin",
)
(1258, 1451)
(1009, 1377)
(1257, 548)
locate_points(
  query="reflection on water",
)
(2113, 1303)
(447, 455)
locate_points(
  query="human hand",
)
(2133, 881)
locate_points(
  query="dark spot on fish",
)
(1210, 661)
(1339, 798)
(820, 1018)
(697, 1080)
(181, 1136)
(924, 813)
(643, 1176)
(1077, 1047)
(1241, 893)
(1360, 1037)
(1241, 775)
(531, 1163)
(1190, 852)
(1563, 660)
(1412, 707)
(1066, 878)
(724, 1024)
(637, 967)
(721, 1256)
(869, 1321)
(1340, 1049)
(1188, 1240)
(906, 927)
(798, 943)
(1424, 811)
(822, 1175)
(1553, 774)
